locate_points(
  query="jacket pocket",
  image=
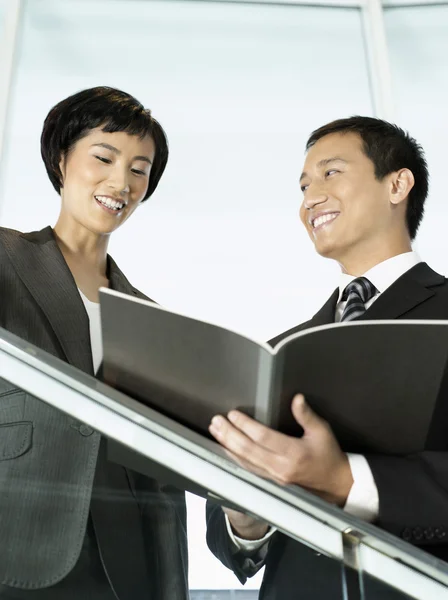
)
(12, 403)
(15, 439)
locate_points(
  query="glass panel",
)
(134, 535)
(136, 524)
(44, 466)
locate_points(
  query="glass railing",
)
(316, 544)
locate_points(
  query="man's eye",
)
(330, 172)
(103, 160)
(303, 188)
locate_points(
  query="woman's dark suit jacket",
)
(49, 463)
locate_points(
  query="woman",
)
(73, 525)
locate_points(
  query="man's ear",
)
(402, 182)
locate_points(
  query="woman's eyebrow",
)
(118, 152)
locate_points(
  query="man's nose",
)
(313, 198)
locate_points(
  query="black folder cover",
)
(376, 382)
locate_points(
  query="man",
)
(364, 186)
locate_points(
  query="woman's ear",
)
(402, 183)
(62, 172)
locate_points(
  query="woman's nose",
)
(119, 181)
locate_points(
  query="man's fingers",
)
(278, 464)
(271, 469)
(304, 414)
(238, 443)
(264, 436)
(247, 465)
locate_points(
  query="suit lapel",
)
(323, 317)
(42, 268)
(326, 314)
(410, 290)
(118, 282)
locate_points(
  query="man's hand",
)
(245, 526)
(315, 461)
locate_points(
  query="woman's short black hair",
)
(105, 107)
(390, 148)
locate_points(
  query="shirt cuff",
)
(247, 545)
(362, 501)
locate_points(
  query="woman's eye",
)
(138, 172)
(103, 160)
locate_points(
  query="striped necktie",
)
(357, 293)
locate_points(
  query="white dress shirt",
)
(362, 501)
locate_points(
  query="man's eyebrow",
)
(118, 152)
(324, 162)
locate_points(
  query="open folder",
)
(376, 382)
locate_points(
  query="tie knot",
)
(362, 287)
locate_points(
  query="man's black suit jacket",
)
(413, 490)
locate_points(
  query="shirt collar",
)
(385, 273)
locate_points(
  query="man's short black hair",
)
(390, 148)
(105, 107)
